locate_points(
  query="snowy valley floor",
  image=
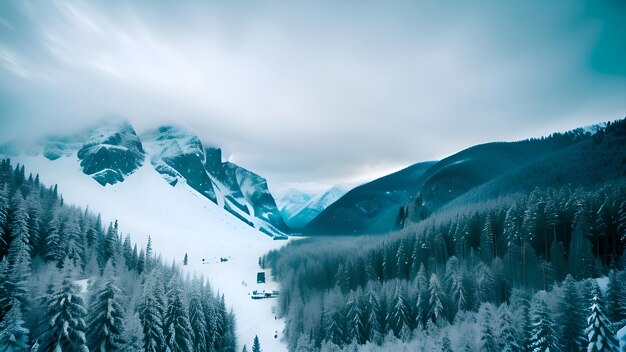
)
(180, 221)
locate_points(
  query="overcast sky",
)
(313, 93)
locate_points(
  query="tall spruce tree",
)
(178, 331)
(600, 336)
(65, 316)
(13, 333)
(152, 313)
(197, 318)
(19, 253)
(105, 321)
(256, 345)
(572, 317)
(436, 311)
(616, 300)
(543, 336)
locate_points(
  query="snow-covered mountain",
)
(291, 201)
(315, 205)
(112, 152)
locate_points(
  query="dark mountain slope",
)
(593, 161)
(372, 207)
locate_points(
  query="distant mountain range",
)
(300, 208)
(112, 151)
(581, 157)
(371, 207)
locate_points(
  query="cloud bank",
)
(320, 92)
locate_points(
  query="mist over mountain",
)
(111, 152)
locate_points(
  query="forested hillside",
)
(68, 282)
(512, 273)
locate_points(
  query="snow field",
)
(180, 221)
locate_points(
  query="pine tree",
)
(74, 247)
(151, 314)
(54, 249)
(572, 319)
(19, 253)
(65, 314)
(4, 208)
(148, 258)
(398, 314)
(356, 325)
(543, 336)
(488, 341)
(105, 321)
(197, 318)
(127, 252)
(210, 316)
(13, 334)
(256, 345)
(615, 300)
(507, 341)
(5, 296)
(436, 312)
(178, 331)
(600, 336)
(132, 334)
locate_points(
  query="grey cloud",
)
(315, 92)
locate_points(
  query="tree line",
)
(494, 257)
(68, 283)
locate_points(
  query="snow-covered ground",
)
(179, 221)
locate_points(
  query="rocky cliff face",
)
(110, 153)
(181, 157)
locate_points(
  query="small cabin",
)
(260, 277)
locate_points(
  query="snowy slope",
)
(179, 220)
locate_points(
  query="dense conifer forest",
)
(69, 282)
(517, 273)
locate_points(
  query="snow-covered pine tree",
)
(152, 312)
(127, 252)
(65, 314)
(148, 258)
(600, 336)
(355, 319)
(13, 334)
(5, 297)
(374, 330)
(256, 345)
(398, 313)
(54, 249)
(74, 246)
(178, 331)
(508, 340)
(4, 209)
(571, 319)
(208, 308)
(488, 340)
(543, 336)
(615, 300)
(132, 333)
(436, 311)
(19, 253)
(197, 318)
(33, 209)
(105, 321)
